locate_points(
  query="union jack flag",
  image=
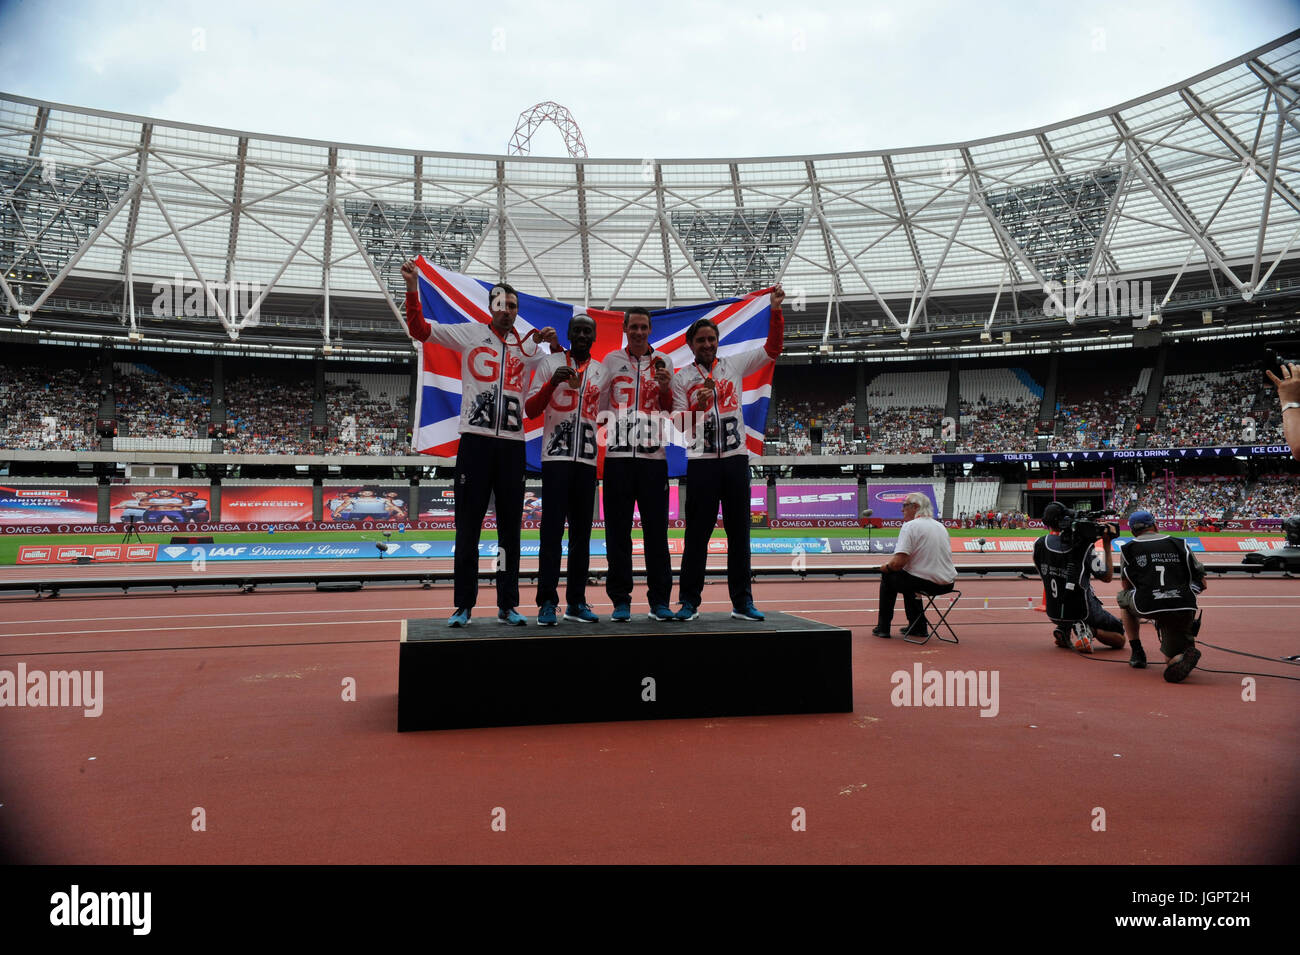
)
(450, 297)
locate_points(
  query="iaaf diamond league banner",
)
(49, 504)
(886, 500)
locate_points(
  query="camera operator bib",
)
(1058, 569)
(1160, 570)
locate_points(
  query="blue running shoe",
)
(512, 618)
(580, 614)
(661, 613)
(688, 612)
(747, 612)
(622, 613)
(546, 616)
(460, 618)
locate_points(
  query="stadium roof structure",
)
(1197, 185)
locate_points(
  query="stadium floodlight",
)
(986, 336)
(24, 317)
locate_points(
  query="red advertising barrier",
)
(778, 522)
(265, 503)
(268, 526)
(1242, 544)
(1253, 524)
(993, 545)
(68, 553)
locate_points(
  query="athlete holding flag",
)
(490, 458)
(717, 470)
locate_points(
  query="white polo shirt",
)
(925, 541)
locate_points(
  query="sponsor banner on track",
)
(534, 548)
(789, 545)
(996, 545)
(1239, 544)
(1194, 544)
(99, 553)
(343, 550)
(861, 545)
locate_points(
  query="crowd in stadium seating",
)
(1275, 495)
(1096, 423)
(48, 409)
(1002, 425)
(1187, 497)
(361, 423)
(270, 416)
(1206, 410)
(156, 406)
(907, 430)
(790, 421)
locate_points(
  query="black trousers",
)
(895, 582)
(637, 483)
(487, 466)
(568, 492)
(710, 482)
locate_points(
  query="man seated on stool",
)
(924, 550)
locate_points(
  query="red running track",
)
(233, 704)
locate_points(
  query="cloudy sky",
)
(673, 79)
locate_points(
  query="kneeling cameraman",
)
(1067, 561)
(1162, 577)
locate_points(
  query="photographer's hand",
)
(1288, 393)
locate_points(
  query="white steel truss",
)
(1209, 186)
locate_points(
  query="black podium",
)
(490, 674)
